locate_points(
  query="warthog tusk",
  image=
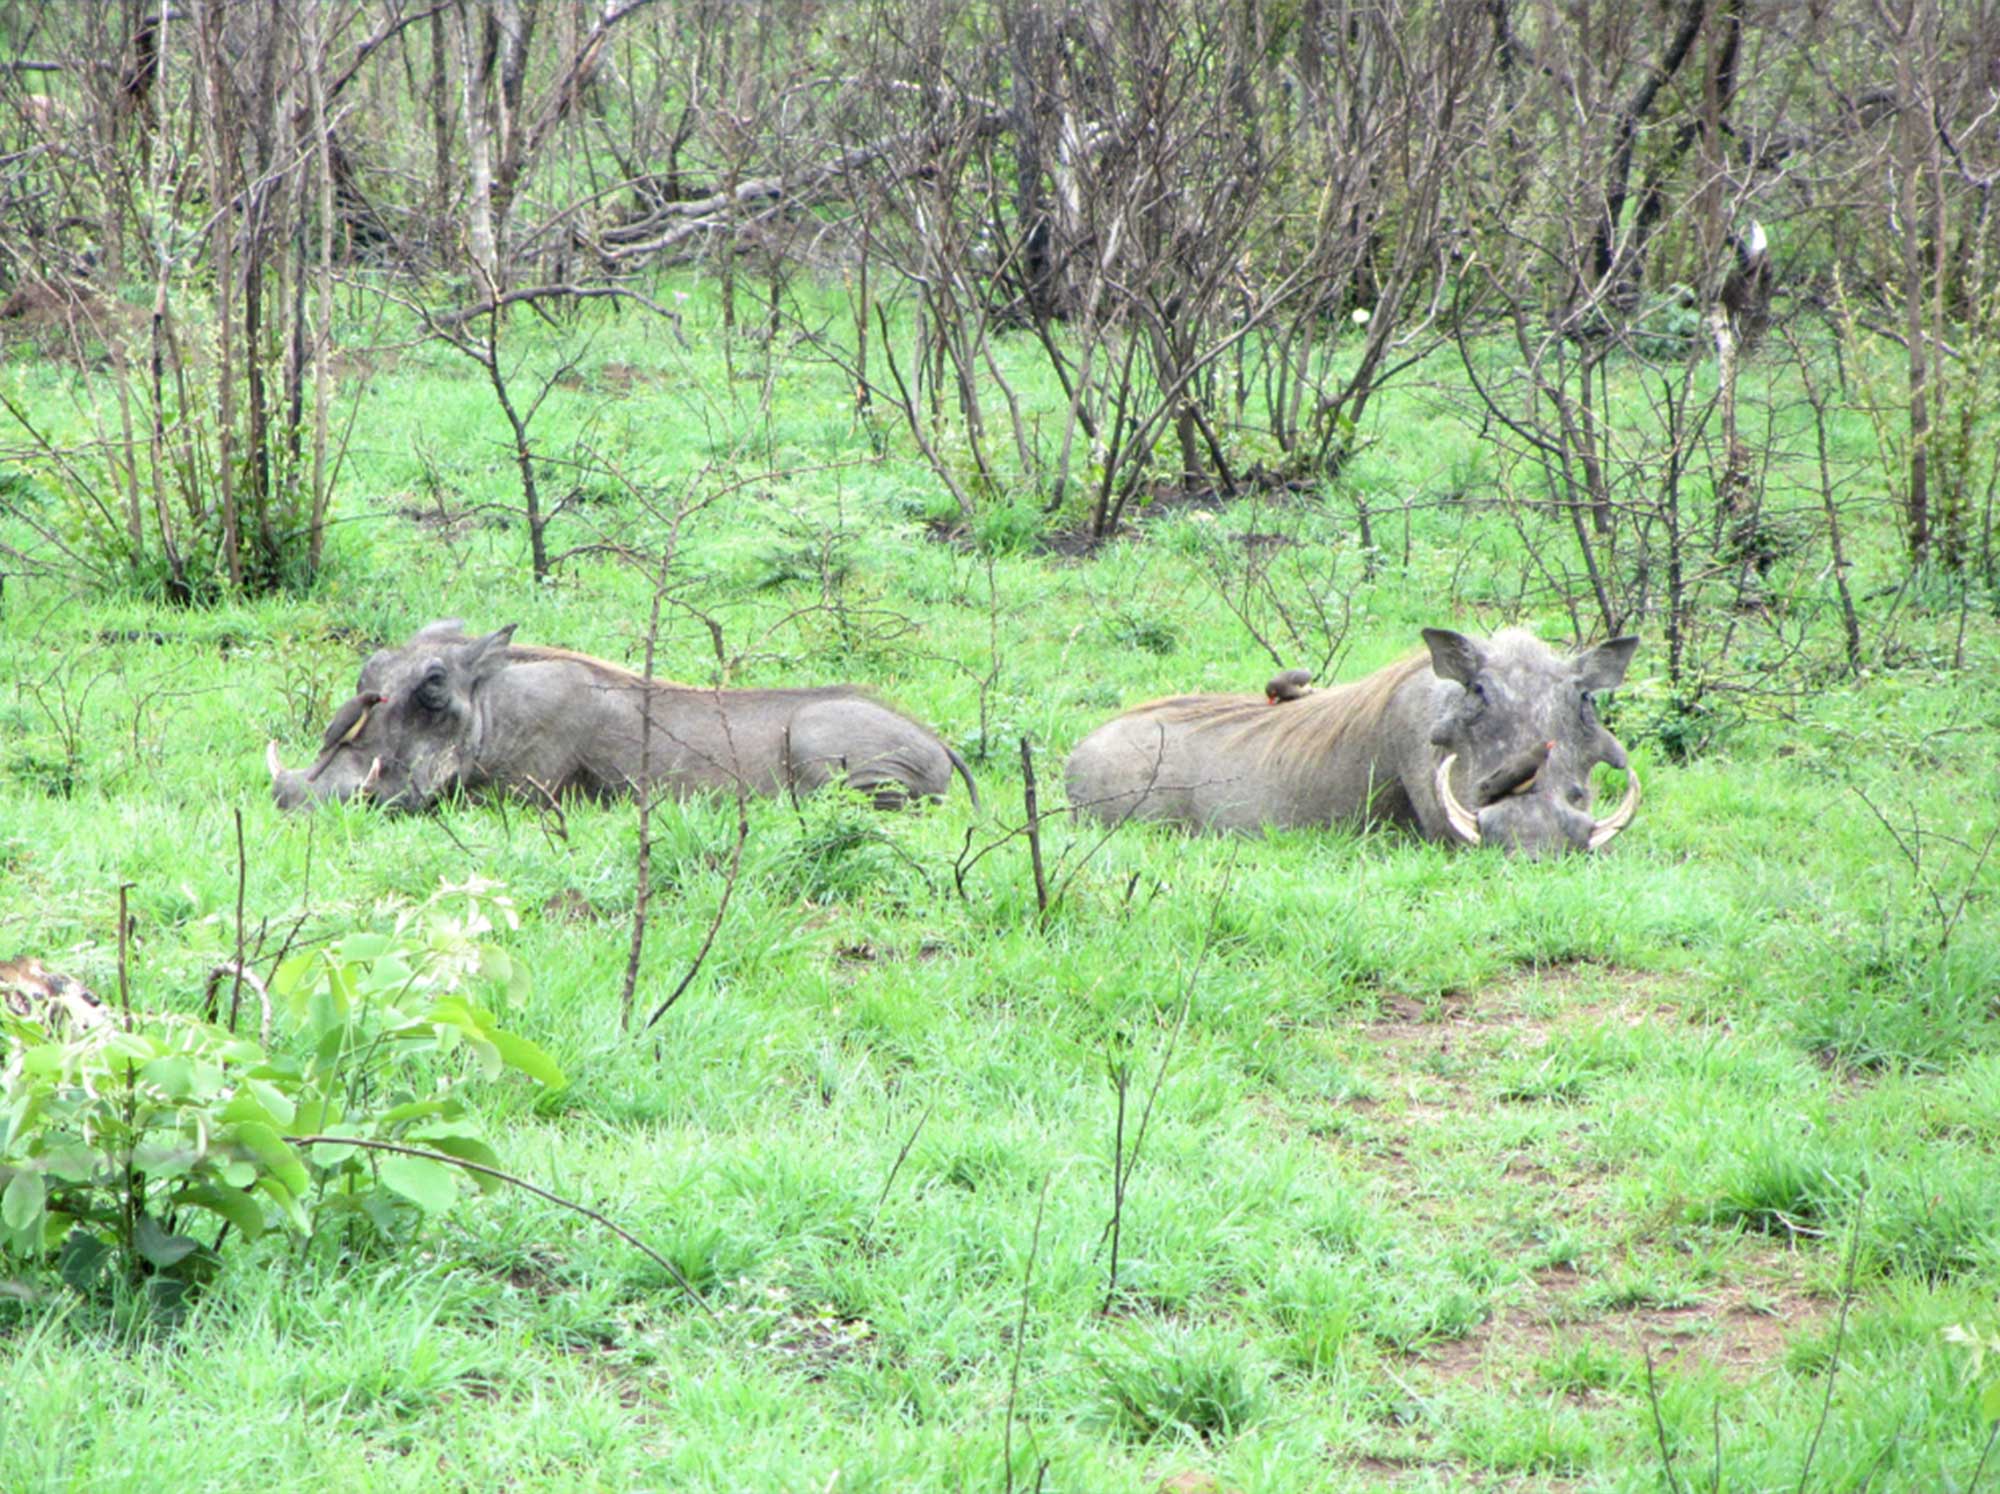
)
(368, 783)
(1620, 817)
(1461, 819)
(272, 761)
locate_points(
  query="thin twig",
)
(1123, 1166)
(1984, 1453)
(721, 908)
(1021, 1335)
(897, 1166)
(1660, 1428)
(1034, 828)
(519, 1182)
(236, 987)
(1839, 1336)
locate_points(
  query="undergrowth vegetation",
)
(1424, 1169)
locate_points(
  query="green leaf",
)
(293, 972)
(317, 1113)
(21, 1115)
(245, 1106)
(362, 947)
(521, 1054)
(412, 1110)
(43, 1059)
(82, 1259)
(163, 1159)
(159, 1248)
(1989, 1401)
(332, 1154)
(279, 1159)
(387, 974)
(21, 1204)
(427, 1184)
(472, 1149)
(173, 1076)
(239, 1208)
(278, 1106)
(72, 1162)
(141, 1045)
(278, 1193)
(490, 1062)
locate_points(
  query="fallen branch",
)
(428, 1155)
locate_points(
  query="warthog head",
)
(1519, 724)
(401, 740)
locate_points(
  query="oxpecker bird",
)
(345, 727)
(1288, 686)
(1514, 776)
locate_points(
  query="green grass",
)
(1447, 1148)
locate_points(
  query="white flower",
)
(1360, 316)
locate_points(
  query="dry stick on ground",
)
(427, 1155)
(742, 822)
(1020, 1338)
(236, 988)
(897, 1166)
(1984, 1453)
(128, 1216)
(1839, 1337)
(1122, 1165)
(1034, 829)
(1660, 1427)
(644, 872)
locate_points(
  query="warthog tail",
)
(965, 773)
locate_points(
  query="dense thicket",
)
(1219, 232)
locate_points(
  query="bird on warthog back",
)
(1290, 685)
(1482, 741)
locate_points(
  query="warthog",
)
(1404, 746)
(448, 714)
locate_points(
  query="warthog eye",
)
(432, 692)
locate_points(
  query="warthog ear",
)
(484, 655)
(1603, 668)
(439, 631)
(1453, 655)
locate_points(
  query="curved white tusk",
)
(368, 783)
(1461, 819)
(1620, 817)
(272, 761)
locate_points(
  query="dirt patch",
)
(857, 955)
(1535, 1003)
(810, 1340)
(1389, 1471)
(623, 378)
(447, 520)
(1557, 1337)
(570, 906)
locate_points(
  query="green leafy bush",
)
(118, 1142)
